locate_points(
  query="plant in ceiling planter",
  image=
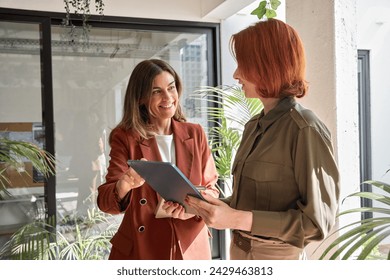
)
(362, 239)
(81, 8)
(228, 110)
(266, 9)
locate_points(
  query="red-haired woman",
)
(286, 181)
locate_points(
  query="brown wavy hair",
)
(271, 55)
(136, 111)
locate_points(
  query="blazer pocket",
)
(122, 243)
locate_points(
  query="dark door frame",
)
(365, 126)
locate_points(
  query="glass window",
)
(90, 80)
(21, 120)
(87, 81)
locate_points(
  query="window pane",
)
(90, 81)
(20, 120)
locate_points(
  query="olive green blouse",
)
(286, 174)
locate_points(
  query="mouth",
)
(168, 106)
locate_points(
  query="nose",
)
(165, 94)
(236, 74)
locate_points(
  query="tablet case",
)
(166, 179)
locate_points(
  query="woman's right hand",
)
(129, 180)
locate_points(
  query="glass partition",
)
(21, 199)
(90, 80)
(59, 91)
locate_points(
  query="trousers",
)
(247, 247)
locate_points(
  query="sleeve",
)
(108, 200)
(317, 177)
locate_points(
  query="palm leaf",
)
(14, 153)
(373, 196)
(352, 235)
(374, 242)
(365, 235)
(30, 242)
(228, 110)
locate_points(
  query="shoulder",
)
(188, 127)
(305, 118)
(119, 133)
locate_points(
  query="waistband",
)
(244, 240)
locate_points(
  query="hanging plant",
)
(80, 8)
(267, 9)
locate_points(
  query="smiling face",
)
(164, 100)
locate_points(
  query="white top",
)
(166, 147)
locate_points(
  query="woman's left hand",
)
(176, 210)
(217, 214)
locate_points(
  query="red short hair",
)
(271, 55)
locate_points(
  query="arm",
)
(114, 195)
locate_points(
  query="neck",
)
(163, 127)
(269, 103)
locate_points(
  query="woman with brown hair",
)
(285, 178)
(153, 127)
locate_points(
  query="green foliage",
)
(363, 237)
(12, 156)
(229, 110)
(267, 9)
(77, 238)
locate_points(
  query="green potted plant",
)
(18, 210)
(18, 161)
(361, 239)
(12, 157)
(74, 238)
(228, 110)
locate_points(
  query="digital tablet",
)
(166, 179)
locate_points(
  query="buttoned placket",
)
(258, 132)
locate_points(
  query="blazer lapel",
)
(184, 147)
(150, 150)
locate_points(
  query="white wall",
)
(189, 10)
(234, 24)
(329, 34)
(374, 35)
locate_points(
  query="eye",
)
(155, 92)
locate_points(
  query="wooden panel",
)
(16, 126)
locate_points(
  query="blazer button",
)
(143, 201)
(141, 228)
